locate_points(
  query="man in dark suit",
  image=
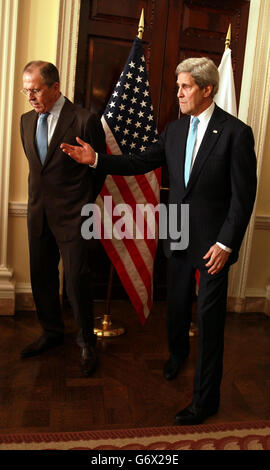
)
(58, 189)
(212, 168)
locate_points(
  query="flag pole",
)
(104, 327)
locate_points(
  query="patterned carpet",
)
(227, 436)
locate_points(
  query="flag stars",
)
(136, 89)
(109, 115)
(140, 114)
(129, 75)
(127, 86)
(148, 128)
(119, 117)
(139, 79)
(126, 132)
(132, 65)
(133, 101)
(117, 128)
(124, 96)
(122, 107)
(145, 138)
(142, 148)
(112, 104)
(138, 124)
(143, 104)
(150, 117)
(131, 110)
(129, 121)
(135, 135)
(132, 145)
(141, 68)
(115, 94)
(123, 142)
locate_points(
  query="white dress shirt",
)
(204, 119)
(53, 117)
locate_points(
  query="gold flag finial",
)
(228, 38)
(141, 25)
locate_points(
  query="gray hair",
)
(48, 71)
(203, 70)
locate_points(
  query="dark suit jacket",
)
(222, 186)
(61, 186)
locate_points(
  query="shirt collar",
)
(205, 116)
(57, 107)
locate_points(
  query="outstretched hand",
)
(218, 259)
(82, 153)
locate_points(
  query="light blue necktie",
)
(190, 147)
(42, 136)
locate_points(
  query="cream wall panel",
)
(18, 256)
(263, 198)
(36, 39)
(259, 271)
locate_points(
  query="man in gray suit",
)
(212, 168)
(58, 188)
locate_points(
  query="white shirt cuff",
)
(226, 248)
(95, 163)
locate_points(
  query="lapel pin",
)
(215, 131)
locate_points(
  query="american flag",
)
(129, 126)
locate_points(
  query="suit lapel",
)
(65, 120)
(180, 149)
(31, 136)
(209, 141)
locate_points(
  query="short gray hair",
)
(48, 71)
(203, 70)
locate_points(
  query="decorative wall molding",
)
(262, 222)
(8, 35)
(17, 209)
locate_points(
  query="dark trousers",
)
(45, 254)
(211, 314)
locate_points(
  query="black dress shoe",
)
(172, 368)
(44, 343)
(191, 415)
(88, 360)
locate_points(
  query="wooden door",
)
(174, 30)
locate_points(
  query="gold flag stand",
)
(104, 327)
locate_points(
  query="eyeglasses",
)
(34, 91)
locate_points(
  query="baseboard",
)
(249, 304)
